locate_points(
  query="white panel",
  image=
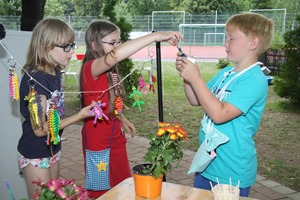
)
(16, 43)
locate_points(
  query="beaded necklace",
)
(221, 80)
(217, 90)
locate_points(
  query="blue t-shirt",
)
(31, 146)
(237, 159)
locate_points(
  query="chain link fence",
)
(199, 30)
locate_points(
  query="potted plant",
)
(58, 189)
(165, 149)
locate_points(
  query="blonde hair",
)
(45, 36)
(253, 25)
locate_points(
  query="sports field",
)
(169, 52)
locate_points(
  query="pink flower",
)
(38, 183)
(53, 185)
(83, 196)
(36, 196)
(60, 189)
(61, 193)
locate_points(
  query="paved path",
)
(72, 166)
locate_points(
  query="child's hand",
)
(129, 127)
(172, 37)
(85, 112)
(188, 70)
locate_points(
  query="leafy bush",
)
(288, 83)
(127, 64)
(125, 27)
(223, 63)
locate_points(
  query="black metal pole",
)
(159, 83)
(159, 88)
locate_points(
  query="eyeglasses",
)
(117, 43)
(68, 47)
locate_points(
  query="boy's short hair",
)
(253, 24)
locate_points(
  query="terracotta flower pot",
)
(146, 185)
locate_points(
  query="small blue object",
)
(269, 79)
(9, 189)
(182, 53)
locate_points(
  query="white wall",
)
(16, 42)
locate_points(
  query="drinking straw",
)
(230, 185)
(218, 183)
(211, 185)
(9, 189)
(238, 185)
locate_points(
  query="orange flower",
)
(173, 137)
(171, 130)
(175, 130)
(162, 124)
(161, 131)
(177, 125)
(182, 133)
(165, 148)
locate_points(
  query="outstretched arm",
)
(82, 114)
(130, 47)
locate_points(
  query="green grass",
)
(277, 140)
(175, 105)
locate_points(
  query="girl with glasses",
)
(99, 72)
(51, 48)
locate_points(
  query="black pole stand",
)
(159, 88)
(159, 83)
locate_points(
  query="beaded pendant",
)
(13, 84)
(54, 125)
(35, 108)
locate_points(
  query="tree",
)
(58, 8)
(292, 6)
(288, 84)
(209, 6)
(121, 10)
(87, 7)
(259, 4)
(145, 7)
(9, 7)
(108, 11)
(32, 13)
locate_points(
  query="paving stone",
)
(269, 193)
(256, 185)
(295, 196)
(259, 196)
(260, 178)
(283, 190)
(268, 183)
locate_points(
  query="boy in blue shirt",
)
(233, 101)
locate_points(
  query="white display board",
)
(16, 43)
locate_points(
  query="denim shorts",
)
(42, 163)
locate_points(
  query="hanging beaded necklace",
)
(218, 91)
(221, 80)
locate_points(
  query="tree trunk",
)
(32, 13)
